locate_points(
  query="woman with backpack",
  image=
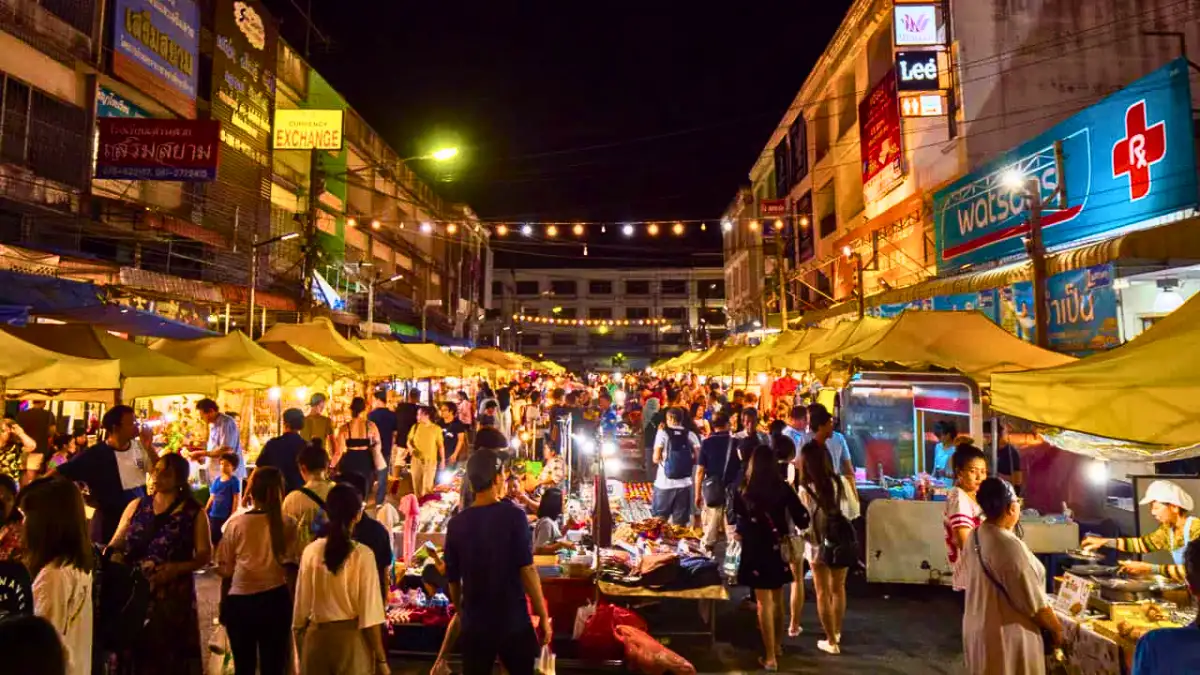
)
(764, 506)
(306, 505)
(339, 611)
(256, 547)
(831, 546)
(59, 556)
(166, 536)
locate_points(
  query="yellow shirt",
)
(427, 439)
(317, 426)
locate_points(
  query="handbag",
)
(1052, 653)
(712, 488)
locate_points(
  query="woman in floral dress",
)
(167, 536)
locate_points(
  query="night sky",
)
(564, 112)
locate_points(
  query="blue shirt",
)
(942, 454)
(223, 432)
(385, 421)
(712, 457)
(839, 451)
(281, 452)
(797, 437)
(486, 547)
(1168, 651)
(222, 492)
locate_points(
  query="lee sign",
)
(917, 71)
(1128, 160)
(308, 129)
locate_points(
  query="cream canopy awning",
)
(439, 363)
(800, 358)
(36, 372)
(239, 363)
(964, 341)
(321, 337)
(144, 372)
(307, 357)
(1144, 392)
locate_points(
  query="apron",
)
(1177, 552)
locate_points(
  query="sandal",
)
(795, 632)
(768, 668)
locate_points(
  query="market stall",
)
(30, 371)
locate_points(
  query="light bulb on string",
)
(677, 228)
(703, 227)
(426, 228)
(754, 226)
(501, 229)
(585, 250)
(527, 230)
(451, 228)
(627, 230)
(652, 229)
(603, 229)
(351, 222)
(578, 230)
(375, 224)
(726, 225)
(551, 231)
(778, 223)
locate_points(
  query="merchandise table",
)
(707, 597)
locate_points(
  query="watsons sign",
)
(155, 48)
(1126, 161)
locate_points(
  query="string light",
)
(585, 250)
(803, 221)
(501, 229)
(375, 224)
(451, 228)
(627, 230)
(426, 228)
(551, 231)
(350, 222)
(677, 228)
(603, 229)
(703, 227)
(527, 230)
(778, 224)
(726, 225)
(578, 230)
(587, 323)
(652, 229)
(754, 226)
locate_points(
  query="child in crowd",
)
(224, 497)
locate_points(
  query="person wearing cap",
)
(1173, 651)
(1172, 507)
(317, 425)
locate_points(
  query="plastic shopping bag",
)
(644, 654)
(581, 618)
(733, 560)
(545, 662)
(219, 659)
(598, 641)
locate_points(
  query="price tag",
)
(1073, 594)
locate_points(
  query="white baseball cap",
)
(1166, 492)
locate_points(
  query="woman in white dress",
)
(1006, 604)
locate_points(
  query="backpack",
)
(316, 528)
(679, 460)
(837, 540)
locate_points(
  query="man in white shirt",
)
(797, 428)
(223, 437)
(675, 452)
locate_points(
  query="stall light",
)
(452, 228)
(1013, 179)
(627, 230)
(351, 222)
(527, 230)
(754, 226)
(426, 228)
(213, 318)
(677, 229)
(652, 229)
(726, 225)
(1097, 472)
(613, 466)
(301, 393)
(375, 224)
(586, 445)
(779, 223)
(274, 393)
(762, 378)
(608, 449)
(515, 443)
(551, 231)
(170, 417)
(501, 230)
(445, 477)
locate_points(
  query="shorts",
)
(674, 504)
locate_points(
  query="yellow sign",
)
(308, 129)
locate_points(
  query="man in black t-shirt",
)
(282, 451)
(109, 488)
(406, 416)
(455, 432)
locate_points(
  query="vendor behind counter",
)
(1172, 508)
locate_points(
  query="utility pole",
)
(371, 305)
(253, 281)
(781, 270)
(316, 185)
(1037, 258)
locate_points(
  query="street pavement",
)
(889, 630)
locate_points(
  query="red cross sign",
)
(1141, 148)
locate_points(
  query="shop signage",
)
(892, 310)
(916, 25)
(1082, 306)
(1128, 162)
(923, 105)
(308, 129)
(112, 104)
(798, 142)
(983, 301)
(243, 80)
(772, 208)
(917, 71)
(783, 173)
(805, 242)
(879, 129)
(156, 46)
(155, 149)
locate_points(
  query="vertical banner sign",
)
(783, 161)
(156, 45)
(243, 99)
(1128, 161)
(1083, 311)
(798, 142)
(879, 130)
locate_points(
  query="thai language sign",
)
(308, 129)
(1128, 161)
(244, 80)
(983, 301)
(155, 48)
(879, 120)
(1082, 306)
(111, 104)
(154, 149)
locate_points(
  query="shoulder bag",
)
(835, 536)
(1048, 648)
(712, 489)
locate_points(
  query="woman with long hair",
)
(58, 554)
(339, 610)
(764, 505)
(962, 513)
(166, 535)
(1006, 605)
(253, 554)
(12, 543)
(825, 493)
(358, 443)
(699, 424)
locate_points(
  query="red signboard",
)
(772, 207)
(879, 130)
(157, 149)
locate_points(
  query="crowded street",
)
(370, 338)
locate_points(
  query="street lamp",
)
(443, 154)
(255, 244)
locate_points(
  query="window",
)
(563, 339)
(563, 287)
(600, 312)
(674, 287)
(637, 312)
(640, 338)
(828, 225)
(674, 338)
(567, 313)
(43, 134)
(712, 317)
(674, 313)
(600, 287)
(530, 339)
(527, 288)
(710, 288)
(637, 287)
(532, 311)
(497, 289)
(848, 101)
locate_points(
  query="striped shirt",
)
(961, 511)
(1162, 539)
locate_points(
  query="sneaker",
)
(828, 647)
(795, 632)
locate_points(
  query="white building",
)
(689, 301)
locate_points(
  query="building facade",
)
(604, 319)
(911, 95)
(181, 249)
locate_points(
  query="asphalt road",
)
(889, 630)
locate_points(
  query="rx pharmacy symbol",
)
(1141, 148)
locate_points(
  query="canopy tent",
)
(307, 357)
(730, 360)
(239, 363)
(321, 337)
(144, 372)
(963, 341)
(36, 372)
(491, 358)
(778, 356)
(378, 349)
(800, 358)
(550, 367)
(1145, 392)
(440, 363)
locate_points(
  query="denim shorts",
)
(674, 504)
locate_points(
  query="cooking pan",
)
(1086, 556)
(1093, 570)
